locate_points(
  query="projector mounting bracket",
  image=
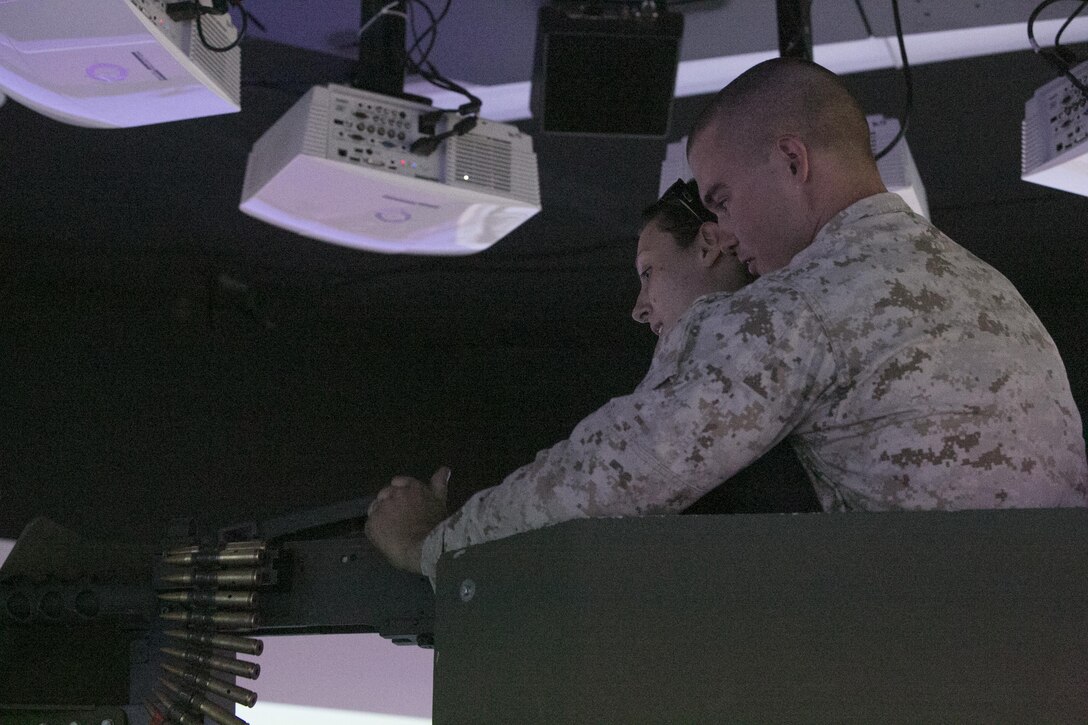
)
(382, 51)
(795, 28)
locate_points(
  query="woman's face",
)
(672, 277)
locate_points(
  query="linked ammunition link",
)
(194, 700)
(210, 592)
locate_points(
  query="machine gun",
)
(92, 632)
(888, 616)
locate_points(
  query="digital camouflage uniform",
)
(906, 373)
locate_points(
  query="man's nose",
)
(641, 312)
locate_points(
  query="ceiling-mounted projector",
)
(339, 167)
(897, 168)
(115, 63)
(1054, 135)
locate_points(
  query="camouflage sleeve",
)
(726, 385)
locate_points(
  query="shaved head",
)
(777, 154)
(789, 96)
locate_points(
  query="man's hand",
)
(402, 515)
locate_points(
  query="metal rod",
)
(382, 52)
(795, 28)
(251, 544)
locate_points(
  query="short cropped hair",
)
(790, 95)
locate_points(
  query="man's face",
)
(672, 277)
(749, 191)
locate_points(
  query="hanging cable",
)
(908, 81)
(423, 67)
(1054, 57)
(194, 10)
(417, 61)
(1058, 38)
(431, 30)
(221, 48)
(417, 55)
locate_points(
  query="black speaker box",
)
(606, 71)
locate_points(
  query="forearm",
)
(704, 411)
(602, 470)
(514, 506)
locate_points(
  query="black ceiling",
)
(165, 355)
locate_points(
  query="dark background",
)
(164, 355)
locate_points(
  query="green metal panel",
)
(887, 617)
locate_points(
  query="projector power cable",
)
(908, 82)
(1055, 57)
(427, 145)
(431, 30)
(194, 10)
(1068, 55)
(423, 42)
(422, 66)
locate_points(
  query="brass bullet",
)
(241, 668)
(224, 599)
(214, 712)
(234, 643)
(218, 620)
(176, 713)
(223, 557)
(234, 693)
(226, 579)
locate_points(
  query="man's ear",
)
(793, 154)
(706, 241)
